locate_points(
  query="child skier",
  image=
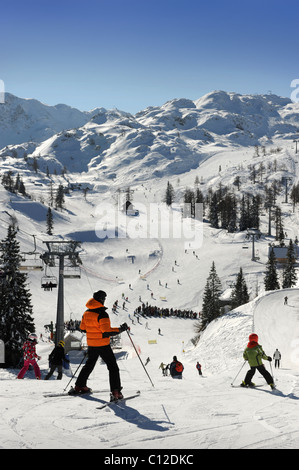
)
(254, 354)
(56, 359)
(30, 357)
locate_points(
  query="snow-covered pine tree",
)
(240, 294)
(271, 278)
(169, 195)
(289, 272)
(16, 321)
(211, 303)
(50, 223)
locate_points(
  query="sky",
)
(131, 54)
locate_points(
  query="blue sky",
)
(131, 54)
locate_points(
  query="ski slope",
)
(197, 412)
(194, 413)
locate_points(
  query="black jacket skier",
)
(56, 359)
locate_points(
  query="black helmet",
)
(100, 296)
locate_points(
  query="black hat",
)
(100, 296)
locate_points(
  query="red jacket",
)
(96, 323)
(29, 350)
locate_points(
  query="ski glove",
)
(269, 358)
(123, 327)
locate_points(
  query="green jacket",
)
(254, 354)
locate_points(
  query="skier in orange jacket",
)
(96, 323)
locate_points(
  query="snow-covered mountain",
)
(156, 142)
(25, 120)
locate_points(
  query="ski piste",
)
(115, 402)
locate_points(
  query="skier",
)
(285, 301)
(30, 357)
(198, 367)
(254, 354)
(96, 323)
(56, 359)
(163, 367)
(277, 357)
(176, 368)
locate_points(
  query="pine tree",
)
(50, 223)
(240, 294)
(16, 321)
(211, 303)
(289, 273)
(59, 200)
(271, 278)
(169, 195)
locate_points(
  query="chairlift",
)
(72, 272)
(31, 262)
(48, 282)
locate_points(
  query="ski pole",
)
(139, 358)
(238, 373)
(74, 373)
(272, 373)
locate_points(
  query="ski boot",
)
(79, 390)
(116, 395)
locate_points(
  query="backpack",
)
(179, 366)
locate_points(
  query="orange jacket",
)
(96, 323)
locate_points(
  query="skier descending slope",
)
(254, 354)
(96, 323)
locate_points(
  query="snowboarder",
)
(30, 357)
(56, 359)
(254, 354)
(277, 357)
(176, 368)
(96, 323)
(198, 367)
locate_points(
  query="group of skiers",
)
(96, 324)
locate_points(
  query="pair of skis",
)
(107, 403)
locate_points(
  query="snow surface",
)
(196, 412)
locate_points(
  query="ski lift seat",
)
(48, 282)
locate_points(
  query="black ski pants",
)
(52, 370)
(107, 355)
(262, 370)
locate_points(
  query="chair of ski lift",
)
(48, 282)
(72, 272)
(31, 262)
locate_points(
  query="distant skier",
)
(254, 354)
(30, 357)
(277, 357)
(56, 359)
(163, 367)
(198, 367)
(285, 300)
(176, 368)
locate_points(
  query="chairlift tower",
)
(61, 250)
(254, 234)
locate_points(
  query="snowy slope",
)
(195, 412)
